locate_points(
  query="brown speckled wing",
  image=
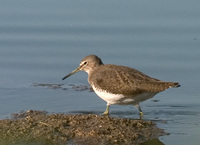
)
(124, 80)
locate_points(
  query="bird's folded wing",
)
(126, 80)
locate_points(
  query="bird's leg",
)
(141, 113)
(107, 110)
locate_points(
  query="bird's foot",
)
(141, 114)
(105, 113)
(107, 110)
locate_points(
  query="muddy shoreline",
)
(58, 129)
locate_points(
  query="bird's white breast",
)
(122, 99)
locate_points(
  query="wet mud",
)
(40, 127)
(64, 87)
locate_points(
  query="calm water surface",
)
(40, 42)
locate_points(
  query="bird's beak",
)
(73, 72)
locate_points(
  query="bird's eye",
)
(85, 62)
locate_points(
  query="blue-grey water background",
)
(42, 41)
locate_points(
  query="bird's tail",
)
(176, 85)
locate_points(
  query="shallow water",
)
(41, 42)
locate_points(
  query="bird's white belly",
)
(122, 99)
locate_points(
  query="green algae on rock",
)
(59, 129)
